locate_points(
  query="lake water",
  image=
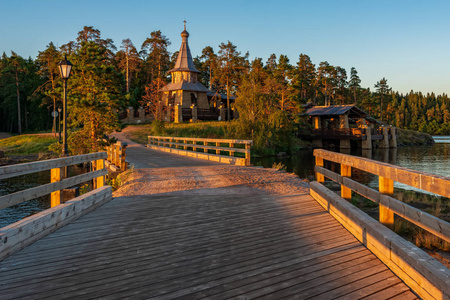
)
(17, 212)
(433, 159)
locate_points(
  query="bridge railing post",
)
(108, 152)
(100, 181)
(386, 187)
(123, 156)
(218, 150)
(247, 154)
(55, 197)
(346, 171)
(319, 162)
(117, 155)
(113, 154)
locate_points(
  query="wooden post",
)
(185, 147)
(247, 154)
(108, 152)
(346, 171)
(319, 162)
(218, 150)
(55, 198)
(100, 181)
(386, 187)
(113, 153)
(231, 151)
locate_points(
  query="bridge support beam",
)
(344, 144)
(384, 143)
(393, 140)
(367, 143)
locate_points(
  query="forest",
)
(270, 92)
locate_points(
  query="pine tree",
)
(231, 67)
(382, 89)
(354, 83)
(94, 93)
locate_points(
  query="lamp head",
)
(65, 67)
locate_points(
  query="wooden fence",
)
(224, 150)
(426, 276)
(22, 233)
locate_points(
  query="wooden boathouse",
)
(342, 124)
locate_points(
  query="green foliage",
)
(94, 92)
(26, 144)
(20, 101)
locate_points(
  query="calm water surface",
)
(17, 212)
(430, 159)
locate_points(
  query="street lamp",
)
(65, 67)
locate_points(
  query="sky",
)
(407, 42)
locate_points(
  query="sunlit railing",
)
(24, 232)
(223, 149)
(424, 275)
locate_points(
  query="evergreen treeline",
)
(106, 79)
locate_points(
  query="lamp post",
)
(59, 123)
(65, 67)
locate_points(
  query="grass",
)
(26, 144)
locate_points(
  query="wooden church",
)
(185, 89)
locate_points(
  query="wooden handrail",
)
(388, 174)
(192, 144)
(423, 274)
(431, 183)
(225, 141)
(57, 182)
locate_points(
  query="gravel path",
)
(157, 172)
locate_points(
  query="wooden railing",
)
(116, 155)
(201, 147)
(424, 275)
(22, 233)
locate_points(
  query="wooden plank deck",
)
(200, 239)
(200, 246)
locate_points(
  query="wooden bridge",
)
(187, 228)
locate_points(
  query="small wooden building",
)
(344, 123)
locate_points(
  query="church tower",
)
(185, 88)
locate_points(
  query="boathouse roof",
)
(337, 110)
